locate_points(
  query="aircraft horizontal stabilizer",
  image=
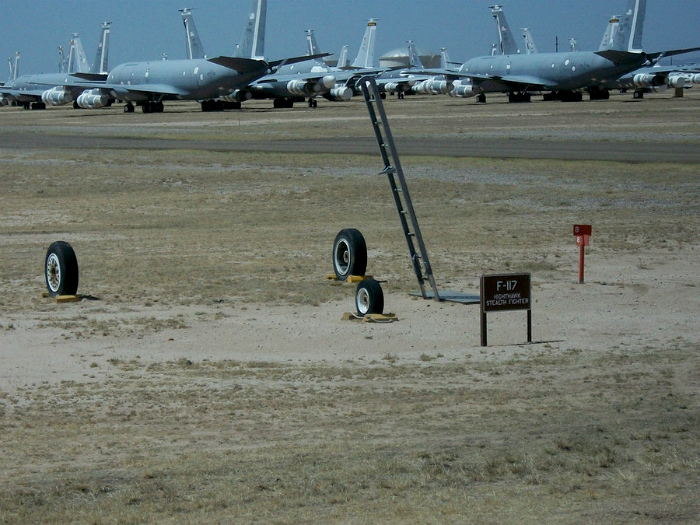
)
(618, 57)
(242, 65)
(294, 60)
(673, 52)
(91, 77)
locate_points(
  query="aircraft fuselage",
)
(556, 71)
(187, 79)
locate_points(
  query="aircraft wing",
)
(672, 52)
(153, 89)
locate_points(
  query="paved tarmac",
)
(642, 151)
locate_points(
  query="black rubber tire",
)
(349, 254)
(61, 269)
(369, 298)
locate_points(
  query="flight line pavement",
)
(650, 130)
(440, 147)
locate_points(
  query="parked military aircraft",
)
(565, 74)
(310, 78)
(148, 84)
(57, 89)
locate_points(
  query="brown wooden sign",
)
(505, 292)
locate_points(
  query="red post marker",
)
(582, 232)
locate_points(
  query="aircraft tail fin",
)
(365, 57)
(413, 58)
(343, 60)
(101, 62)
(530, 47)
(193, 43)
(14, 66)
(311, 44)
(508, 46)
(625, 33)
(77, 62)
(253, 41)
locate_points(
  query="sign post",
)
(505, 292)
(582, 232)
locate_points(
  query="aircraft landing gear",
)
(481, 98)
(599, 94)
(638, 93)
(313, 103)
(518, 96)
(128, 107)
(152, 107)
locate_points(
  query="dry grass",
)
(546, 435)
(438, 442)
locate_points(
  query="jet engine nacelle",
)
(238, 96)
(433, 87)
(303, 88)
(463, 91)
(57, 96)
(92, 99)
(695, 79)
(339, 94)
(390, 87)
(328, 81)
(646, 80)
(677, 80)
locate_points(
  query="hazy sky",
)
(146, 29)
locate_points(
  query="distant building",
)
(399, 58)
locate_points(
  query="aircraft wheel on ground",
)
(128, 108)
(481, 98)
(61, 269)
(349, 254)
(369, 297)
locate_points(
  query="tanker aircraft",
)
(148, 84)
(565, 74)
(57, 89)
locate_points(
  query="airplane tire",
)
(369, 298)
(349, 254)
(61, 269)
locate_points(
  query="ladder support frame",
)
(402, 198)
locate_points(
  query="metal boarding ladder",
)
(399, 188)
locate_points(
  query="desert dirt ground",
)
(208, 376)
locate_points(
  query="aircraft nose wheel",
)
(61, 269)
(369, 298)
(349, 254)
